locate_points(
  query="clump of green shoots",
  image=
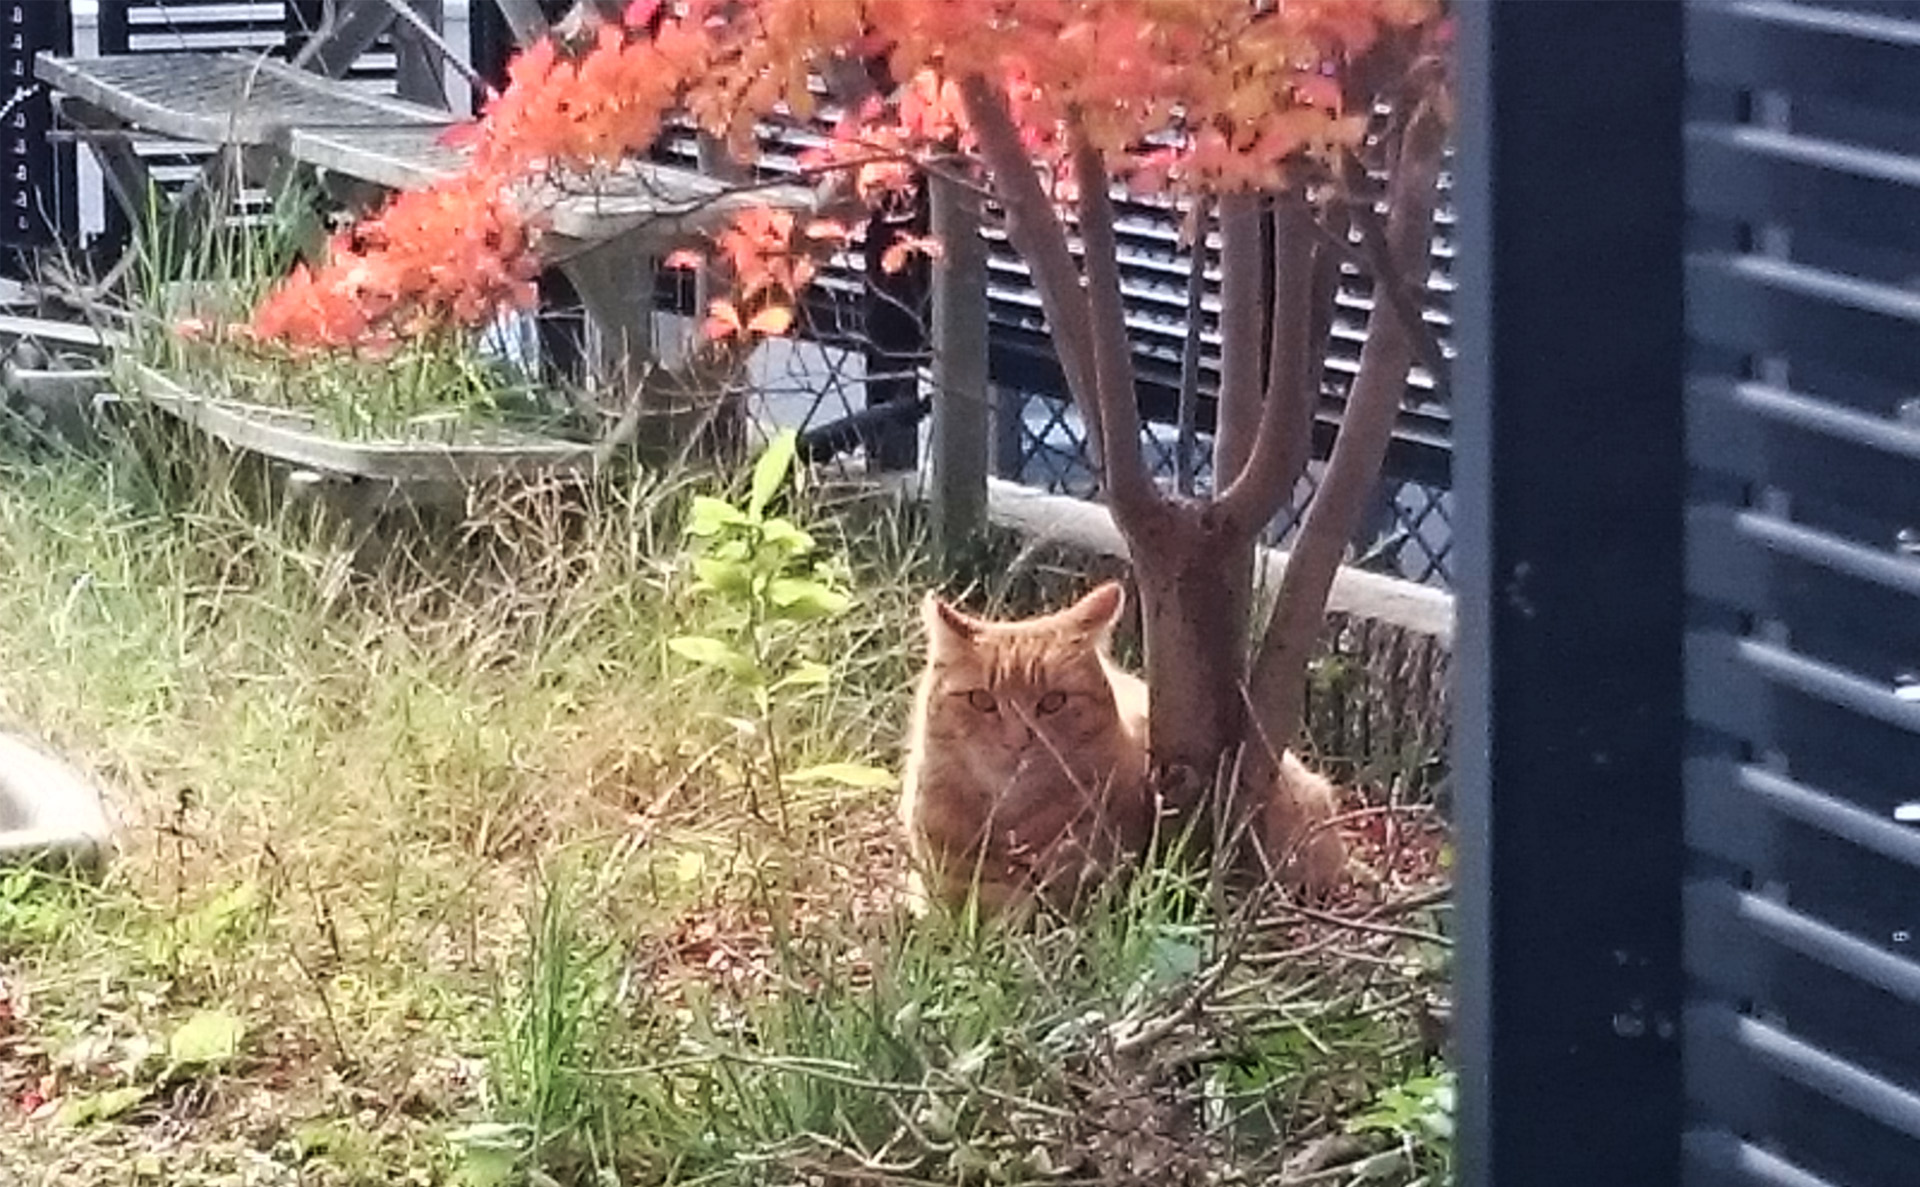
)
(555, 1030)
(765, 581)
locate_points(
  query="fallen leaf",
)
(850, 774)
(210, 1038)
(100, 1106)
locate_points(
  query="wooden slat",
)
(657, 201)
(407, 158)
(223, 98)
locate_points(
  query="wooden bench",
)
(264, 114)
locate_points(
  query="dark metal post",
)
(1570, 481)
(962, 416)
(115, 27)
(896, 328)
(1009, 427)
(560, 324)
(420, 72)
(36, 180)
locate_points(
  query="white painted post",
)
(962, 411)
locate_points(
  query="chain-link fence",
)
(1408, 530)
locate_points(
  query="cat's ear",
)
(948, 630)
(1100, 609)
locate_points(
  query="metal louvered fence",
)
(1803, 896)
(1039, 438)
(1687, 728)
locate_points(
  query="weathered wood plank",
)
(657, 205)
(661, 202)
(66, 333)
(397, 158)
(1089, 526)
(234, 99)
(290, 437)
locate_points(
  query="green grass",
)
(463, 850)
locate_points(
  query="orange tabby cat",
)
(1299, 843)
(1026, 770)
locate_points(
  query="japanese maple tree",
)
(1283, 115)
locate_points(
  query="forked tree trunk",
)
(1193, 559)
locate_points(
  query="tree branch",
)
(1184, 459)
(1303, 277)
(1277, 681)
(1036, 233)
(1130, 487)
(1390, 283)
(1237, 412)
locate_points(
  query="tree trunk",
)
(1195, 573)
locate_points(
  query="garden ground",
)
(439, 868)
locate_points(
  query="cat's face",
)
(1015, 700)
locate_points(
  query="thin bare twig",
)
(432, 37)
(1365, 924)
(1401, 296)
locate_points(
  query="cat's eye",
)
(1053, 702)
(982, 700)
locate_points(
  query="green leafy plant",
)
(35, 908)
(765, 581)
(1419, 1113)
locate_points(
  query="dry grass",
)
(462, 849)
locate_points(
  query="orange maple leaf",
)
(1175, 95)
(901, 250)
(773, 321)
(723, 320)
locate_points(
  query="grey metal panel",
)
(1717, 1158)
(1767, 305)
(1803, 571)
(1806, 48)
(1768, 175)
